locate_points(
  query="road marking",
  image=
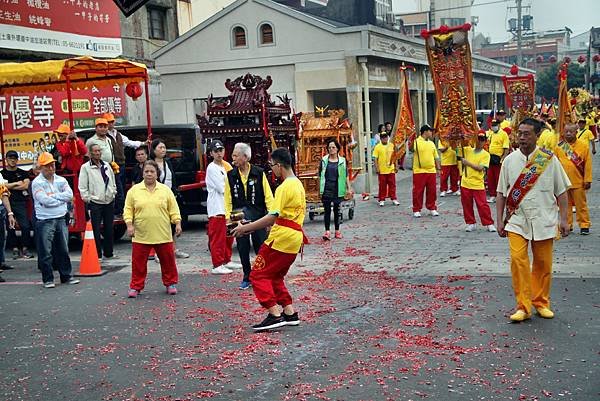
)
(22, 283)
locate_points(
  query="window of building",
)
(266, 34)
(453, 21)
(239, 37)
(157, 23)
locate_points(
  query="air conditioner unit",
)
(390, 18)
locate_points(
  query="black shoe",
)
(291, 320)
(584, 231)
(270, 322)
(4, 266)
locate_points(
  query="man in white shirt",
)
(219, 243)
(531, 182)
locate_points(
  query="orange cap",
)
(101, 121)
(109, 117)
(63, 129)
(45, 158)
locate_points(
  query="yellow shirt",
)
(383, 155)
(266, 188)
(425, 156)
(471, 178)
(582, 149)
(449, 156)
(290, 204)
(499, 141)
(504, 124)
(152, 213)
(548, 140)
(585, 135)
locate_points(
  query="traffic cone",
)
(90, 264)
(152, 254)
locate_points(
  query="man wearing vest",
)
(586, 135)
(120, 142)
(247, 190)
(531, 182)
(498, 149)
(574, 155)
(426, 163)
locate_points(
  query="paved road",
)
(400, 309)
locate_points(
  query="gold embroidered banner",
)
(404, 124)
(520, 92)
(565, 111)
(449, 56)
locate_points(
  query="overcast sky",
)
(578, 15)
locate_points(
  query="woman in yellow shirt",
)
(150, 209)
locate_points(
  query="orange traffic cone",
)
(90, 264)
(152, 254)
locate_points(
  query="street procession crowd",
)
(537, 180)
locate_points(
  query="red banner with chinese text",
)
(449, 56)
(520, 92)
(80, 27)
(27, 120)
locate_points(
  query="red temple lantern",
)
(539, 59)
(581, 59)
(567, 60)
(596, 58)
(134, 90)
(514, 70)
(552, 59)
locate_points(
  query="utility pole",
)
(519, 32)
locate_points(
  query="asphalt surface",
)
(399, 309)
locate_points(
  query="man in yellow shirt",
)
(574, 155)
(426, 163)
(499, 146)
(449, 170)
(502, 121)
(549, 137)
(281, 247)
(386, 172)
(586, 135)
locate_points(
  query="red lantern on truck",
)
(134, 90)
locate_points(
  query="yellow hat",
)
(101, 121)
(63, 129)
(45, 158)
(109, 117)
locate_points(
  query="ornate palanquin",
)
(315, 132)
(249, 115)
(449, 56)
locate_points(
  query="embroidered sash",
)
(526, 180)
(574, 157)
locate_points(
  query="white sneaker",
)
(442, 194)
(470, 227)
(181, 255)
(491, 228)
(457, 193)
(221, 270)
(396, 203)
(382, 203)
(417, 214)
(491, 199)
(232, 265)
(434, 213)
(573, 209)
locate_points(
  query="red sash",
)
(526, 180)
(280, 221)
(574, 157)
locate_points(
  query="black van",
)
(184, 149)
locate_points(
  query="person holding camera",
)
(71, 149)
(499, 147)
(334, 185)
(247, 189)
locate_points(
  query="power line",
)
(470, 6)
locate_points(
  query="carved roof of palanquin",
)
(324, 126)
(248, 94)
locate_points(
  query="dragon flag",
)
(404, 124)
(449, 56)
(565, 112)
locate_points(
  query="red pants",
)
(139, 263)
(452, 173)
(268, 272)
(387, 186)
(493, 174)
(467, 196)
(218, 241)
(424, 182)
